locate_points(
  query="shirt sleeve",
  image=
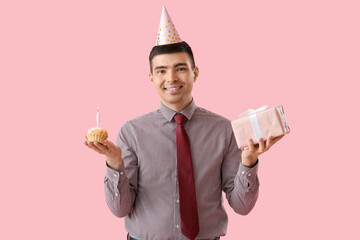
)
(240, 183)
(121, 184)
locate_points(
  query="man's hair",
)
(172, 48)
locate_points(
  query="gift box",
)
(259, 123)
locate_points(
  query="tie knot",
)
(180, 119)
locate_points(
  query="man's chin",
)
(176, 100)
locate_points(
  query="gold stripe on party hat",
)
(167, 33)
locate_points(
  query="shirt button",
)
(116, 194)
(177, 226)
(121, 173)
(115, 175)
(243, 172)
(177, 200)
(249, 174)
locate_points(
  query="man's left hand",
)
(250, 155)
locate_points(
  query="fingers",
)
(94, 147)
(277, 139)
(98, 147)
(251, 145)
(86, 144)
(271, 140)
(261, 145)
(111, 146)
(101, 146)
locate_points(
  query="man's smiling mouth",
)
(173, 89)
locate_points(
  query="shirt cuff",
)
(248, 175)
(115, 175)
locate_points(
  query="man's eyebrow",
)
(165, 67)
(158, 67)
(180, 64)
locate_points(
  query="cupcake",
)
(97, 134)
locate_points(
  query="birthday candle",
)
(97, 118)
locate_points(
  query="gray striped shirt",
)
(145, 189)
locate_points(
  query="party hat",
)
(167, 33)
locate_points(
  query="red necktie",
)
(188, 206)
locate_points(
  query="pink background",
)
(59, 60)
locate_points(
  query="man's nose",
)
(172, 77)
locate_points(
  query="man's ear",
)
(151, 78)
(196, 73)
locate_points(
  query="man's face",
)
(173, 79)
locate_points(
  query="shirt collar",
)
(169, 114)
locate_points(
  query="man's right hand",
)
(110, 150)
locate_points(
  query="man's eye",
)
(181, 69)
(161, 71)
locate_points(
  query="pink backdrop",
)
(59, 60)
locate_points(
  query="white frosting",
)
(91, 129)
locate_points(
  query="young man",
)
(168, 168)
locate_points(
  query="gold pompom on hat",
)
(167, 33)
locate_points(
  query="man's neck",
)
(177, 107)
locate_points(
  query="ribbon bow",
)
(252, 111)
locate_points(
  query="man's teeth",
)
(174, 88)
